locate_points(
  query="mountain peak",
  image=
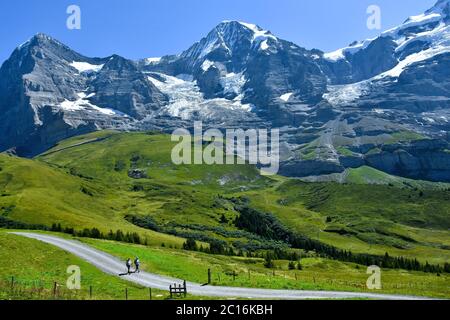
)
(442, 3)
(231, 36)
(256, 30)
(442, 6)
(42, 40)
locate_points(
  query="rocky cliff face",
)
(425, 159)
(121, 86)
(382, 102)
(48, 93)
(244, 61)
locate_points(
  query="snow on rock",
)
(206, 65)
(150, 61)
(258, 32)
(264, 45)
(352, 49)
(286, 97)
(435, 18)
(186, 98)
(346, 94)
(85, 66)
(416, 57)
(260, 35)
(83, 104)
(233, 83)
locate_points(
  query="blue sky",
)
(151, 28)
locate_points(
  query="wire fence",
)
(14, 288)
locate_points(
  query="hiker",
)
(137, 263)
(129, 265)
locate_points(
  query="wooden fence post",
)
(150, 293)
(209, 276)
(185, 288)
(12, 283)
(126, 293)
(170, 288)
(90, 292)
(55, 285)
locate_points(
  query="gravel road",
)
(112, 265)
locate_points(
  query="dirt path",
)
(114, 266)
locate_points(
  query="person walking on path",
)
(129, 265)
(137, 264)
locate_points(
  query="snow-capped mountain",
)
(242, 61)
(49, 92)
(419, 38)
(382, 102)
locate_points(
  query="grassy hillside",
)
(36, 193)
(316, 273)
(44, 264)
(35, 267)
(364, 218)
(86, 182)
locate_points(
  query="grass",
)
(188, 195)
(83, 183)
(404, 136)
(317, 273)
(35, 267)
(368, 175)
(28, 187)
(46, 264)
(344, 151)
(364, 218)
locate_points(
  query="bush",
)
(291, 265)
(190, 245)
(268, 263)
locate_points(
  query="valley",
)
(85, 183)
(87, 169)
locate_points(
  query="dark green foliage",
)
(11, 224)
(217, 247)
(145, 222)
(223, 219)
(190, 245)
(120, 165)
(189, 231)
(85, 233)
(269, 227)
(86, 191)
(268, 262)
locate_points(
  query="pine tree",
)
(190, 245)
(268, 262)
(223, 219)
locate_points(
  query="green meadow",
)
(88, 182)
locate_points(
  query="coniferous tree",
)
(269, 262)
(291, 265)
